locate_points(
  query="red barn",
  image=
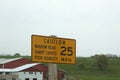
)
(16, 62)
(13, 63)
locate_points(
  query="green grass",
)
(112, 72)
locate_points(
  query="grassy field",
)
(90, 72)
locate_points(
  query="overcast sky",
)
(95, 24)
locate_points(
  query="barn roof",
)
(3, 61)
(5, 70)
(24, 67)
(19, 68)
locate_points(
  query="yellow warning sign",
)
(53, 50)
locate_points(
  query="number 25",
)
(68, 49)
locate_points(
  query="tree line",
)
(14, 56)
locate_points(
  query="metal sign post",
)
(52, 71)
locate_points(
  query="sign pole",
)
(52, 68)
(52, 71)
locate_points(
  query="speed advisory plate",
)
(53, 50)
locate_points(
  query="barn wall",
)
(30, 75)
